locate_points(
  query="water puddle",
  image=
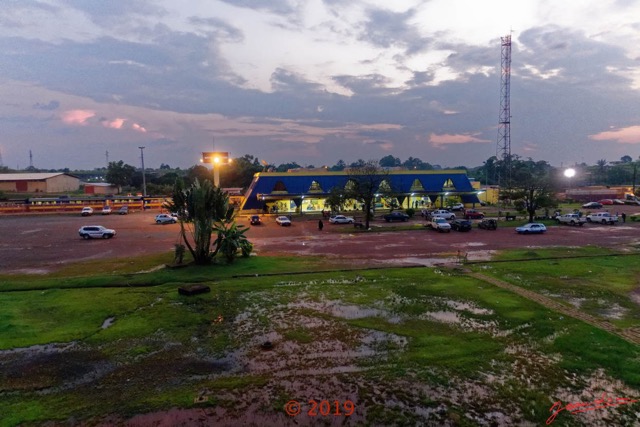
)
(108, 322)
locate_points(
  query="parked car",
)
(283, 221)
(341, 219)
(531, 228)
(106, 210)
(165, 219)
(592, 205)
(396, 216)
(618, 202)
(440, 224)
(456, 207)
(461, 225)
(488, 224)
(602, 218)
(86, 211)
(571, 219)
(96, 232)
(255, 220)
(605, 201)
(443, 213)
(473, 214)
(124, 210)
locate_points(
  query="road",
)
(41, 243)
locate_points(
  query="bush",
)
(411, 212)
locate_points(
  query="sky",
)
(315, 81)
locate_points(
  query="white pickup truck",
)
(571, 219)
(440, 224)
(602, 217)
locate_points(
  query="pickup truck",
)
(440, 224)
(442, 213)
(571, 219)
(602, 217)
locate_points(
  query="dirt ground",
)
(38, 244)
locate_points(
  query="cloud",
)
(113, 124)
(138, 128)
(439, 141)
(628, 135)
(77, 117)
(52, 105)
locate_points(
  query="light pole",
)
(144, 180)
(569, 173)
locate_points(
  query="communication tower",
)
(503, 151)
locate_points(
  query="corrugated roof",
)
(31, 176)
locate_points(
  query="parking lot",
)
(41, 243)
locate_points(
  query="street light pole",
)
(144, 180)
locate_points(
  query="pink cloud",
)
(138, 128)
(446, 139)
(77, 117)
(113, 124)
(629, 135)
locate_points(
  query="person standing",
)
(320, 225)
(624, 217)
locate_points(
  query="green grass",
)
(164, 349)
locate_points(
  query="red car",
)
(606, 201)
(473, 214)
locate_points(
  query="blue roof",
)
(288, 185)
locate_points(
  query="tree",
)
(338, 167)
(336, 199)
(199, 206)
(626, 159)
(119, 173)
(602, 170)
(230, 239)
(364, 184)
(198, 173)
(389, 162)
(240, 171)
(532, 187)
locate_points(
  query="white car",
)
(440, 224)
(165, 219)
(531, 228)
(443, 213)
(283, 221)
(341, 219)
(86, 211)
(96, 232)
(106, 210)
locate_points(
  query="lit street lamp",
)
(569, 173)
(217, 159)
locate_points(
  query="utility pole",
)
(106, 153)
(30, 160)
(144, 180)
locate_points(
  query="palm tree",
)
(199, 207)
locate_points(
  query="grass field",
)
(406, 346)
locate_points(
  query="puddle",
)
(108, 322)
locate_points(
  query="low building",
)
(306, 191)
(53, 182)
(100, 188)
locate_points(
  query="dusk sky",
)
(315, 81)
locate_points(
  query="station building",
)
(55, 182)
(306, 191)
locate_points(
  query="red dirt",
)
(42, 243)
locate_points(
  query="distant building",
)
(54, 182)
(100, 188)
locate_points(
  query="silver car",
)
(165, 219)
(96, 232)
